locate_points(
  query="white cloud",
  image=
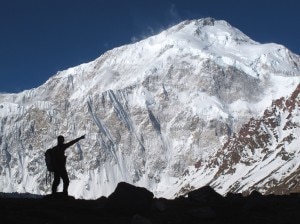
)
(174, 14)
(173, 17)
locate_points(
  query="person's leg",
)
(55, 182)
(64, 176)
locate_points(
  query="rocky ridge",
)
(263, 156)
(260, 142)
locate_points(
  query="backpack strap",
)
(48, 175)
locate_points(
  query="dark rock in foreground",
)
(129, 199)
(134, 205)
(204, 195)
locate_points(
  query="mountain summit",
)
(150, 111)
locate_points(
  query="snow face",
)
(150, 110)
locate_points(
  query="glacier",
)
(151, 111)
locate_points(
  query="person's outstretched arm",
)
(74, 141)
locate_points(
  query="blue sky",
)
(40, 37)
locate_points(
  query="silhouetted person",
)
(59, 157)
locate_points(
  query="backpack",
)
(49, 159)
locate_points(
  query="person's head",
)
(60, 140)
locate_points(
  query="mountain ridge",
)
(150, 109)
(261, 141)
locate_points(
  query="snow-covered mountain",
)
(152, 111)
(264, 155)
